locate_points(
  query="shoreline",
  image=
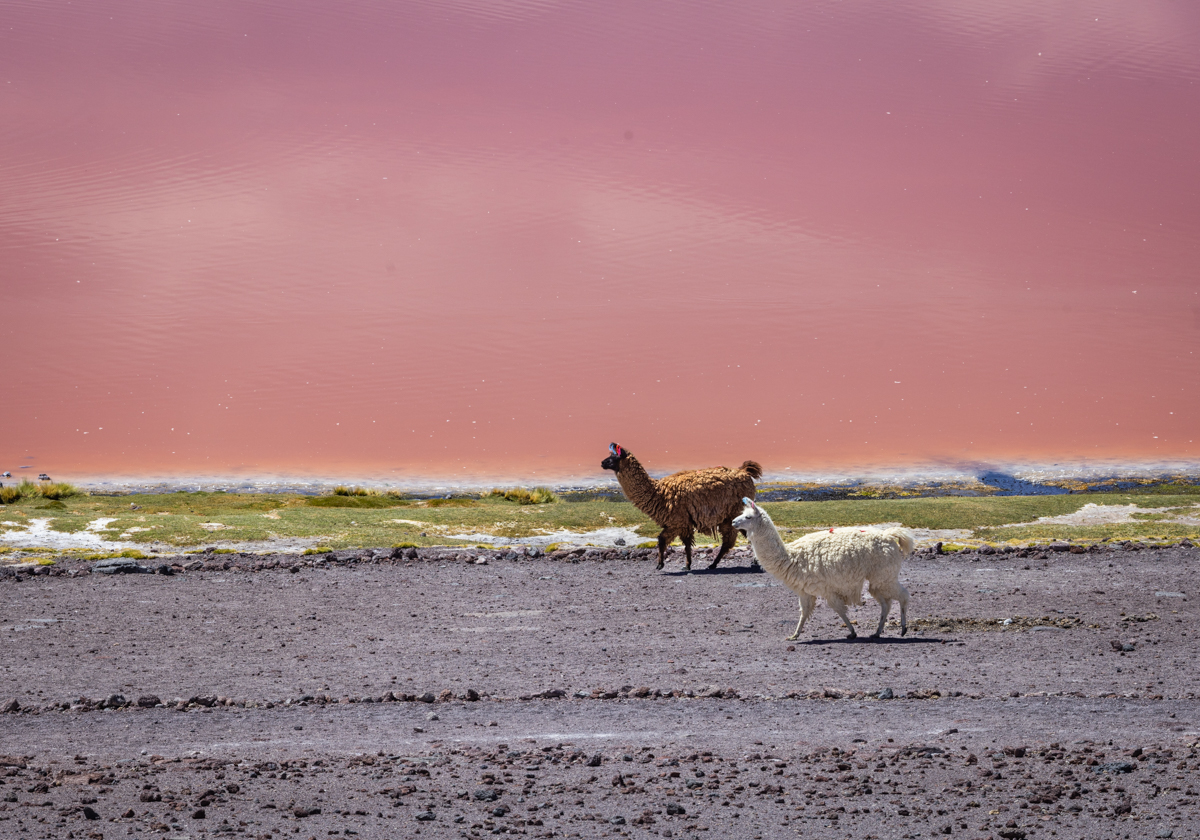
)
(772, 487)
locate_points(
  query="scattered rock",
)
(886, 694)
(425, 816)
(486, 795)
(10, 707)
(89, 813)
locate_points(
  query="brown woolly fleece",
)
(686, 502)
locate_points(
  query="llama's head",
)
(751, 517)
(613, 461)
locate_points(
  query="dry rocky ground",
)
(460, 694)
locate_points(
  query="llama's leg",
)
(687, 548)
(728, 538)
(902, 594)
(663, 541)
(839, 606)
(807, 603)
(884, 593)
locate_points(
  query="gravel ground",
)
(455, 694)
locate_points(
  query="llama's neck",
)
(640, 488)
(768, 546)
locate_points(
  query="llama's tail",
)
(904, 538)
(753, 468)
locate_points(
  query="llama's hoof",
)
(714, 563)
(903, 631)
(659, 567)
(875, 635)
(791, 638)
(852, 635)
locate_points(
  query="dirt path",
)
(792, 741)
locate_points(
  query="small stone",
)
(301, 811)
(129, 814)
(427, 697)
(89, 813)
(425, 816)
(486, 795)
(595, 760)
(148, 701)
(674, 809)
(481, 561)
(1165, 833)
(198, 814)
(499, 811)
(472, 695)
(431, 716)
(445, 696)
(617, 821)
(886, 694)
(11, 707)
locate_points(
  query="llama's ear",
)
(750, 504)
(612, 448)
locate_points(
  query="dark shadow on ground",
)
(720, 570)
(885, 640)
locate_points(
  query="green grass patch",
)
(1140, 531)
(536, 496)
(197, 519)
(374, 501)
(450, 503)
(51, 490)
(950, 512)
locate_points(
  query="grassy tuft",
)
(57, 490)
(536, 496)
(51, 490)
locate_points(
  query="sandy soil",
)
(1026, 729)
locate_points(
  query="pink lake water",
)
(469, 239)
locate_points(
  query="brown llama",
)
(686, 502)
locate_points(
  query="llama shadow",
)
(720, 570)
(883, 640)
